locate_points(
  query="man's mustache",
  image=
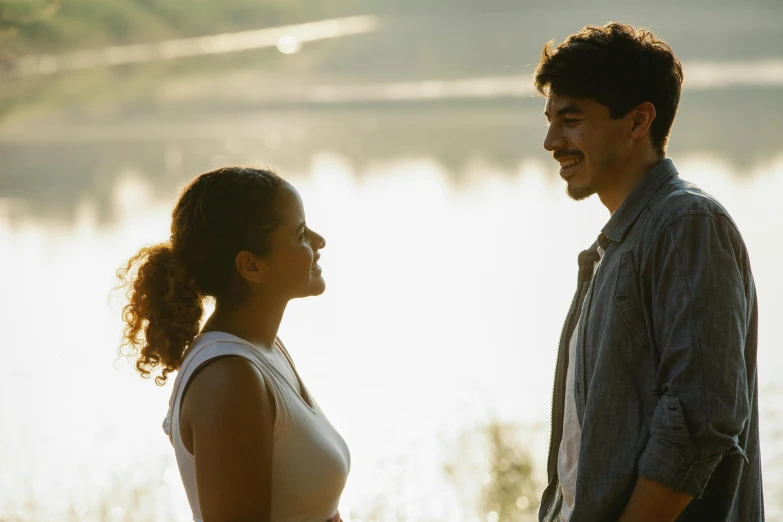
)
(572, 153)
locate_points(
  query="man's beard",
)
(579, 193)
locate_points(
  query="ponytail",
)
(163, 312)
(219, 213)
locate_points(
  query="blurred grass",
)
(512, 491)
(487, 467)
(500, 477)
(139, 495)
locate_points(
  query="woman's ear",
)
(251, 267)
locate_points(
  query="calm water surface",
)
(447, 287)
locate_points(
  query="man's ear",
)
(643, 116)
(252, 268)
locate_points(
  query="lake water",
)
(450, 265)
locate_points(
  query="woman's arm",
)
(229, 413)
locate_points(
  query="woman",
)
(250, 441)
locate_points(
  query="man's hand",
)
(653, 502)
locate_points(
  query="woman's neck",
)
(255, 323)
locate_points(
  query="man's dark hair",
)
(619, 67)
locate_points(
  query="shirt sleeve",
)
(703, 300)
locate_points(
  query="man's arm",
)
(653, 502)
(702, 300)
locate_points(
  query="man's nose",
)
(553, 139)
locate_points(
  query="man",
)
(655, 410)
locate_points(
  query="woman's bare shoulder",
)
(231, 388)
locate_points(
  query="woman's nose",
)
(318, 240)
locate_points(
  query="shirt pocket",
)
(627, 298)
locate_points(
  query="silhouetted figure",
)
(655, 408)
(251, 442)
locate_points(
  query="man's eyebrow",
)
(568, 109)
(301, 226)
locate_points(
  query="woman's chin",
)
(314, 288)
(317, 286)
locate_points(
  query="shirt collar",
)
(618, 225)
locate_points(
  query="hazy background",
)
(411, 130)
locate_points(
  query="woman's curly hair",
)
(219, 214)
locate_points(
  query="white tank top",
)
(310, 460)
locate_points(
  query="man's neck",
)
(632, 174)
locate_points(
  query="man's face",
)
(586, 142)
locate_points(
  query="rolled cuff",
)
(663, 461)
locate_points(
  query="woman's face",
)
(293, 259)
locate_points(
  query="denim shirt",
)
(665, 381)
